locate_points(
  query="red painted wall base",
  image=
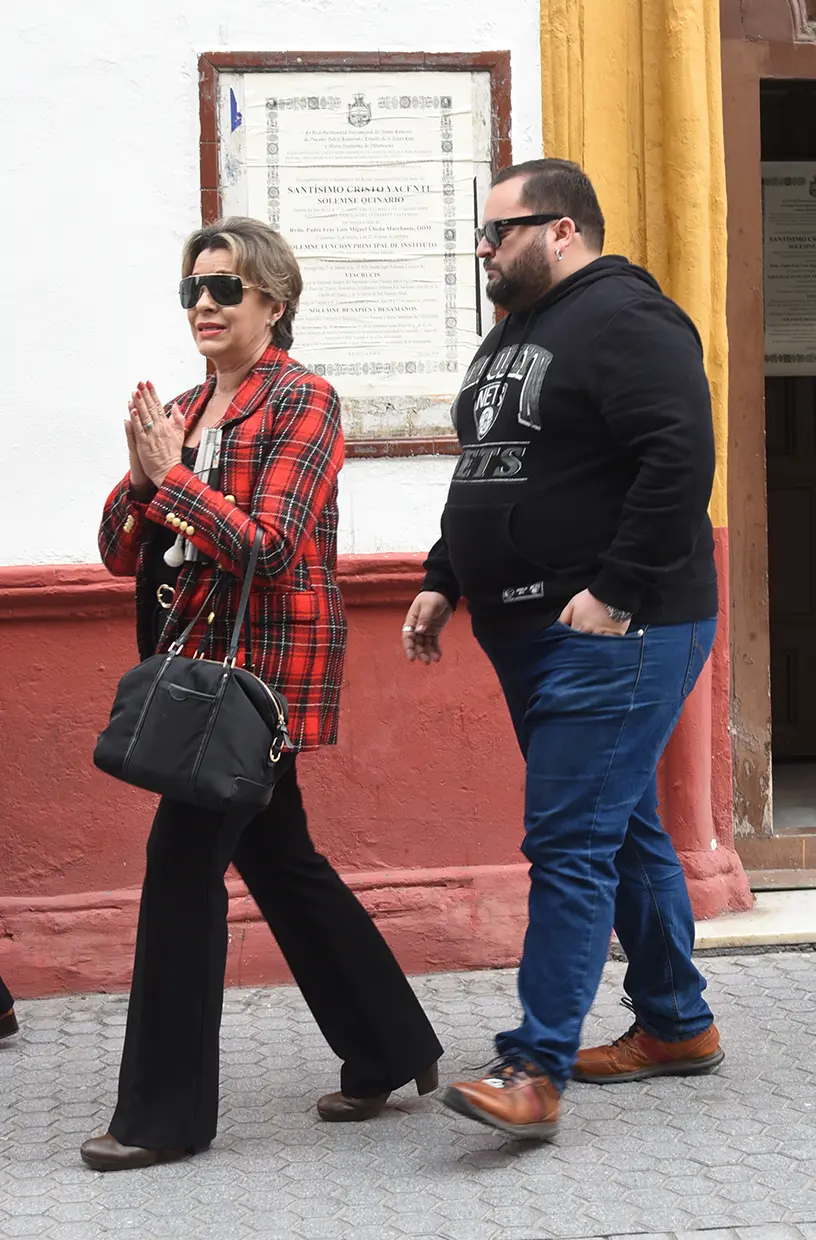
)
(403, 806)
(450, 918)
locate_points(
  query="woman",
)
(281, 452)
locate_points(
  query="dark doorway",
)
(788, 120)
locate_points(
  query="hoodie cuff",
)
(439, 581)
(616, 591)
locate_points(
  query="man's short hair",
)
(560, 186)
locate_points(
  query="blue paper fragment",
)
(236, 118)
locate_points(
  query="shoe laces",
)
(507, 1068)
(631, 1032)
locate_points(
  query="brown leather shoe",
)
(8, 1024)
(340, 1109)
(106, 1154)
(637, 1056)
(517, 1099)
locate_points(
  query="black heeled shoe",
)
(8, 1024)
(340, 1109)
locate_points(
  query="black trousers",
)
(359, 996)
(6, 1001)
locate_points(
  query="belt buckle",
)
(162, 594)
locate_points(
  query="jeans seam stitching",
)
(693, 645)
(647, 882)
(686, 689)
(596, 892)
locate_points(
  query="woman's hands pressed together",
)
(155, 441)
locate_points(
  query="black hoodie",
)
(587, 459)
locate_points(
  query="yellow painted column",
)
(632, 91)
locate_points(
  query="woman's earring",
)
(559, 255)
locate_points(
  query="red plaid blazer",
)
(281, 452)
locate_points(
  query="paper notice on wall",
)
(375, 179)
(789, 228)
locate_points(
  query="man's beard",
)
(529, 278)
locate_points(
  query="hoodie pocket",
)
(483, 553)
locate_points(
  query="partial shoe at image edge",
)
(8, 1024)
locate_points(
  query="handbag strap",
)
(242, 613)
(177, 646)
(241, 616)
(247, 625)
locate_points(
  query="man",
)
(576, 526)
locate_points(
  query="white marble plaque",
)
(376, 180)
(789, 226)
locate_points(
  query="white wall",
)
(100, 185)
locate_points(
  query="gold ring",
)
(160, 595)
(148, 425)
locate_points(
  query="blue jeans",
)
(593, 715)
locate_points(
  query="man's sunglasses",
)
(495, 231)
(224, 290)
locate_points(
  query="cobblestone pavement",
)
(734, 1150)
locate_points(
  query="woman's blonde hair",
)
(261, 257)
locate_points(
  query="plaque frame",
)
(494, 63)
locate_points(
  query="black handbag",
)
(200, 731)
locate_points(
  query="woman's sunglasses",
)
(224, 290)
(495, 231)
